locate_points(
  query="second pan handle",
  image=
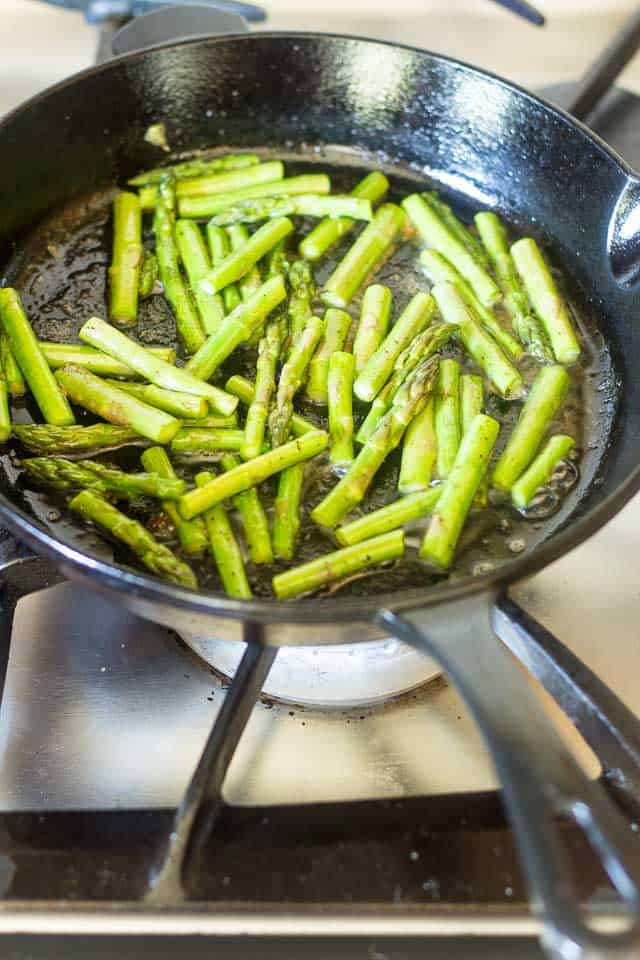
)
(540, 778)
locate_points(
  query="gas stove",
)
(381, 823)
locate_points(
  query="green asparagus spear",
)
(541, 470)
(5, 416)
(197, 264)
(238, 263)
(372, 188)
(50, 399)
(254, 519)
(219, 247)
(334, 334)
(61, 354)
(155, 556)
(286, 511)
(300, 280)
(213, 422)
(414, 318)
(333, 567)
(124, 272)
(457, 227)
(546, 395)
(177, 293)
(421, 348)
(392, 517)
(546, 300)
(224, 547)
(209, 206)
(291, 377)
(408, 402)
(527, 327)
(277, 260)
(217, 183)
(340, 392)
(198, 167)
(258, 412)
(55, 441)
(87, 474)
(181, 405)
(435, 234)
(439, 270)
(252, 473)
(116, 406)
(149, 273)
(15, 381)
(375, 314)
(458, 492)
(447, 416)
(305, 205)
(105, 337)
(482, 347)
(197, 441)
(192, 534)
(244, 390)
(366, 254)
(419, 453)
(471, 403)
(237, 327)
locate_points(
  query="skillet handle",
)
(540, 778)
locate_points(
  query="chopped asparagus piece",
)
(116, 406)
(224, 547)
(527, 327)
(219, 246)
(127, 257)
(61, 354)
(366, 254)
(435, 234)
(281, 415)
(457, 227)
(252, 473)
(482, 347)
(181, 405)
(546, 300)
(149, 274)
(334, 334)
(239, 262)
(105, 337)
(192, 534)
(414, 318)
(25, 348)
(447, 416)
(375, 314)
(209, 206)
(407, 404)
(5, 415)
(545, 398)
(217, 183)
(213, 422)
(458, 492)
(254, 519)
(258, 412)
(197, 441)
(197, 264)
(15, 381)
(155, 556)
(372, 188)
(286, 511)
(419, 453)
(392, 517)
(471, 403)
(89, 475)
(55, 441)
(541, 470)
(198, 167)
(340, 393)
(305, 205)
(300, 311)
(235, 328)
(333, 567)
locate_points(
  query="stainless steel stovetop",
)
(103, 718)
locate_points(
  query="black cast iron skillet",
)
(486, 142)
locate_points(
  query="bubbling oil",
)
(61, 273)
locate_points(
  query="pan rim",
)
(112, 576)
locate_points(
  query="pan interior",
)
(61, 272)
